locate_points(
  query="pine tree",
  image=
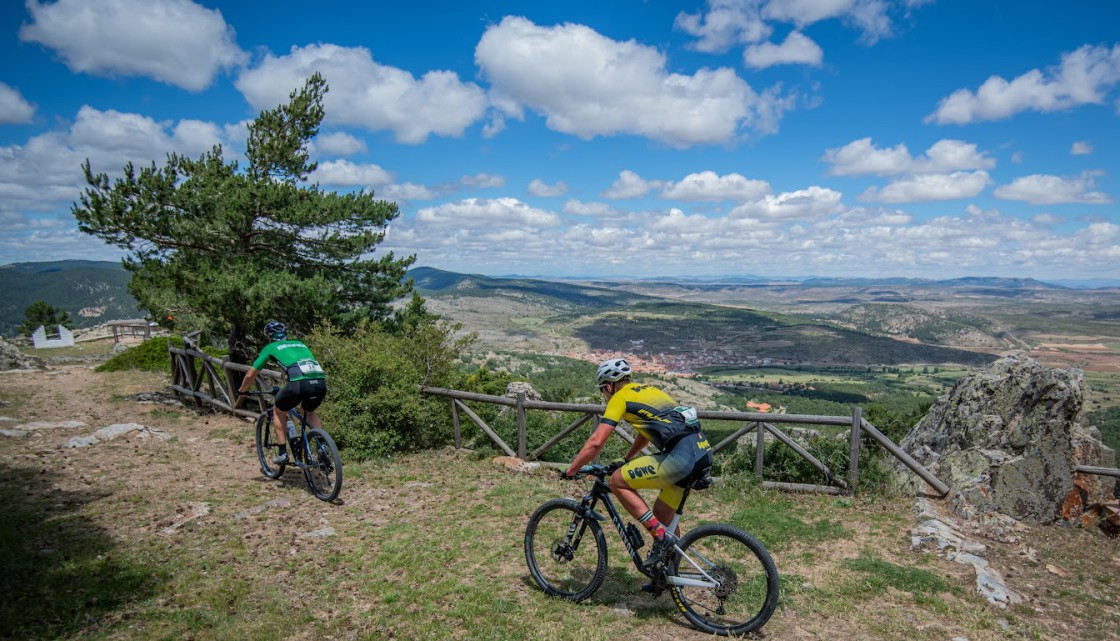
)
(223, 249)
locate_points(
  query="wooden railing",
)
(755, 422)
(195, 379)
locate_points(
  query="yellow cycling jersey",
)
(651, 411)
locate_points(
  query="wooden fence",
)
(201, 380)
(757, 423)
(195, 378)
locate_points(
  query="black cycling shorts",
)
(307, 393)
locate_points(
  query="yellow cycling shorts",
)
(690, 455)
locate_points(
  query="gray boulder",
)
(1006, 439)
(11, 358)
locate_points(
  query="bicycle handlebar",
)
(598, 471)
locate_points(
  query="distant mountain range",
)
(93, 292)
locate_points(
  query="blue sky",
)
(918, 138)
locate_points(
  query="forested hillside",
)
(93, 292)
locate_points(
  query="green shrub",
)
(374, 406)
(150, 356)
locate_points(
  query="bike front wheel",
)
(267, 447)
(323, 469)
(566, 553)
(746, 581)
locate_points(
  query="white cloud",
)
(495, 213)
(929, 187)
(588, 85)
(708, 186)
(1085, 76)
(542, 189)
(805, 204)
(368, 94)
(630, 185)
(861, 157)
(726, 23)
(795, 49)
(13, 108)
(343, 173)
(1042, 189)
(45, 173)
(483, 180)
(1081, 148)
(176, 42)
(405, 192)
(338, 144)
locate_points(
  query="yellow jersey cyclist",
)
(684, 452)
(306, 386)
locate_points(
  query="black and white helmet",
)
(612, 370)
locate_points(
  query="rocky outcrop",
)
(1006, 440)
(517, 387)
(13, 359)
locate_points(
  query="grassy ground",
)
(100, 544)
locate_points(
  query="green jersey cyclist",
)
(306, 386)
(684, 452)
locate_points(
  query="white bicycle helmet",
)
(612, 370)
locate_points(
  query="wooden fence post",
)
(760, 445)
(853, 455)
(521, 437)
(455, 423)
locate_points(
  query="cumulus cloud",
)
(588, 85)
(542, 189)
(930, 187)
(1085, 76)
(1042, 189)
(805, 204)
(727, 23)
(709, 186)
(343, 173)
(795, 49)
(338, 144)
(365, 93)
(483, 180)
(629, 185)
(496, 213)
(1081, 148)
(862, 157)
(13, 108)
(176, 42)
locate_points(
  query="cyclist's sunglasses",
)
(603, 388)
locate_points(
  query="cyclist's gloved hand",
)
(564, 476)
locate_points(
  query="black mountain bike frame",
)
(601, 493)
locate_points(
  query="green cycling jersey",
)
(294, 357)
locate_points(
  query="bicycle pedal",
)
(652, 589)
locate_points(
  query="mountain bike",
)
(312, 450)
(721, 578)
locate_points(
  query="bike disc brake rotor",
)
(561, 552)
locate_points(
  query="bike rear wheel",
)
(748, 580)
(267, 447)
(563, 560)
(324, 466)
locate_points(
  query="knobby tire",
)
(267, 448)
(560, 565)
(324, 466)
(749, 581)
